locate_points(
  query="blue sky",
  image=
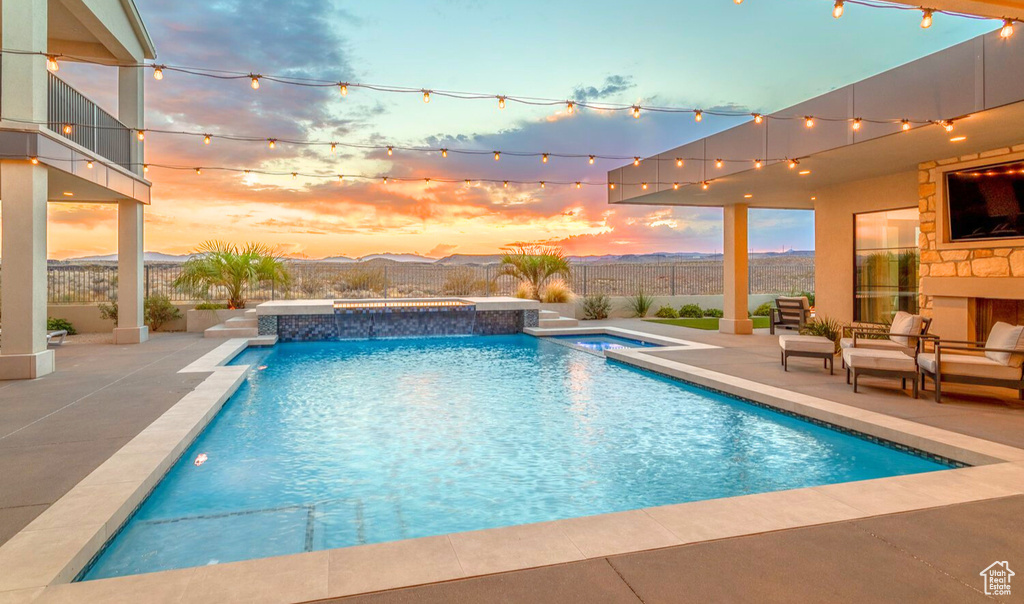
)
(760, 56)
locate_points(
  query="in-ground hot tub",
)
(320, 320)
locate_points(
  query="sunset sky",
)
(758, 56)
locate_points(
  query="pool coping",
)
(42, 559)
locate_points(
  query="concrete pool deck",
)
(356, 570)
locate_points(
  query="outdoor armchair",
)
(904, 335)
(790, 312)
(998, 361)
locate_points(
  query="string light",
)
(497, 155)
(199, 171)
(333, 147)
(698, 115)
(444, 152)
(341, 178)
(544, 158)
(505, 184)
(757, 164)
(255, 82)
(611, 185)
(636, 161)
(808, 121)
(501, 102)
(51, 63)
(636, 111)
(719, 163)
(391, 151)
(206, 139)
(158, 72)
(542, 184)
(926, 18)
(1007, 30)
(426, 96)
(88, 164)
(856, 123)
(644, 185)
(837, 9)
(67, 128)
(591, 161)
(570, 107)
(948, 125)
(704, 185)
(35, 161)
(758, 118)
(385, 180)
(679, 162)
(343, 87)
(295, 175)
(141, 134)
(793, 163)
(675, 186)
(145, 168)
(271, 142)
(579, 185)
(905, 125)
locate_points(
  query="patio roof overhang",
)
(997, 9)
(971, 83)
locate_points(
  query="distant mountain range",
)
(461, 259)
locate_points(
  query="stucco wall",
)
(834, 211)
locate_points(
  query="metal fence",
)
(78, 283)
(92, 127)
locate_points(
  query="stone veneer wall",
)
(983, 261)
(360, 324)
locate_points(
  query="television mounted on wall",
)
(986, 202)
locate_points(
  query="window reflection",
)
(886, 264)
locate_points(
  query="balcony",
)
(91, 126)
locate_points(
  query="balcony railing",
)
(92, 127)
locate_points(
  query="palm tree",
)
(232, 267)
(534, 264)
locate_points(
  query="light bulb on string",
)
(145, 168)
(611, 186)
(67, 129)
(141, 134)
(809, 121)
(544, 158)
(698, 115)
(636, 161)
(35, 161)
(679, 162)
(497, 155)
(444, 152)
(343, 87)
(905, 125)
(643, 186)
(501, 102)
(837, 9)
(199, 171)
(333, 147)
(704, 185)
(856, 124)
(719, 163)
(88, 164)
(426, 96)
(158, 73)
(1007, 30)
(636, 111)
(570, 107)
(391, 151)
(793, 163)
(591, 160)
(51, 63)
(505, 184)
(758, 118)
(542, 184)
(926, 18)
(675, 186)
(255, 82)
(206, 139)
(757, 164)
(271, 143)
(579, 185)
(948, 125)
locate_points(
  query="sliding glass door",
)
(886, 264)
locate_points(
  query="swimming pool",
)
(332, 444)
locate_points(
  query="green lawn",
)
(709, 323)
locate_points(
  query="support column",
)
(131, 108)
(23, 193)
(735, 266)
(131, 328)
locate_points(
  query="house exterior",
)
(886, 235)
(57, 145)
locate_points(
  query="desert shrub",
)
(763, 310)
(54, 324)
(596, 307)
(158, 310)
(714, 312)
(667, 312)
(691, 311)
(808, 295)
(210, 306)
(825, 327)
(365, 279)
(525, 290)
(108, 312)
(464, 281)
(639, 304)
(556, 291)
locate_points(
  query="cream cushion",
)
(885, 360)
(1006, 337)
(969, 365)
(872, 344)
(806, 344)
(801, 299)
(904, 325)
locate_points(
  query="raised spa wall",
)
(319, 320)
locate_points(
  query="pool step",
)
(557, 322)
(225, 331)
(242, 322)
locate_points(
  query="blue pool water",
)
(336, 444)
(602, 342)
